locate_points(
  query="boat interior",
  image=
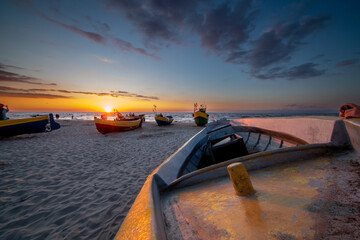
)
(229, 142)
(304, 172)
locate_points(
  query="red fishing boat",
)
(117, 125)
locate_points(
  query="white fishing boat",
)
(295, 173)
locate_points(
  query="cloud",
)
(100, 39)
(278, 43)
(133, 95)
(126, 46)
(224, 28)
(297, 9)
(27, 4)
(348, 62)
(104, 26)
(317, 57)
(11, 91)
(30, 95)
(90, 35)
(99, 26)
(93, 36)
(3, 66)
(303, 71)
(156, 19)
(6, 76)
(105, 60)
(220, 27)
(25, 93)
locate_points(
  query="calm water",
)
(178, 116)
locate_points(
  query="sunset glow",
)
(250, 55)
(108, 109)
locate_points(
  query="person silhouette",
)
(3, 110)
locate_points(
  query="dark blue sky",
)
(233, 55)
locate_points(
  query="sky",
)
(249, 55)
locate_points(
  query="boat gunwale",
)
(279, 135)
(282, 136)
(353, 129)
(13, 122)
(166, 118)
(129, 122)
(253, 157)
(353, 121)
(201, 114)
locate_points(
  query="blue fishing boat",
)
(162, 120)
(14, 127)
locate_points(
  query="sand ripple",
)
(75, 183)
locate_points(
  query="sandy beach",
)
(75, 183)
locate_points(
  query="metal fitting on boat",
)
(240, 179)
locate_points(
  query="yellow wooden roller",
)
(240, 179)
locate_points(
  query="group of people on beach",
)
(3, 110)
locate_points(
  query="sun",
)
(108, 109)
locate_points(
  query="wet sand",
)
(75, 183)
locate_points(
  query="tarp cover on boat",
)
(349, 110)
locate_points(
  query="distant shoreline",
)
(178, 117)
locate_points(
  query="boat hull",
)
(289, 172)
(201, 118)
(107, 126)
(14, 127)
(162, 121)
(141, 116)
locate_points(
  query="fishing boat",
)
(269, 178)
(117, 125)
(200, 115)
(162, 120)
(12, 127)
(134, 117)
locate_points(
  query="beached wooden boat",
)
(161, 120)
(298, 167)
(12, 127)
(134, 117)
(125, 124)
(200, 116)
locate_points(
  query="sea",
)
(185, 117)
